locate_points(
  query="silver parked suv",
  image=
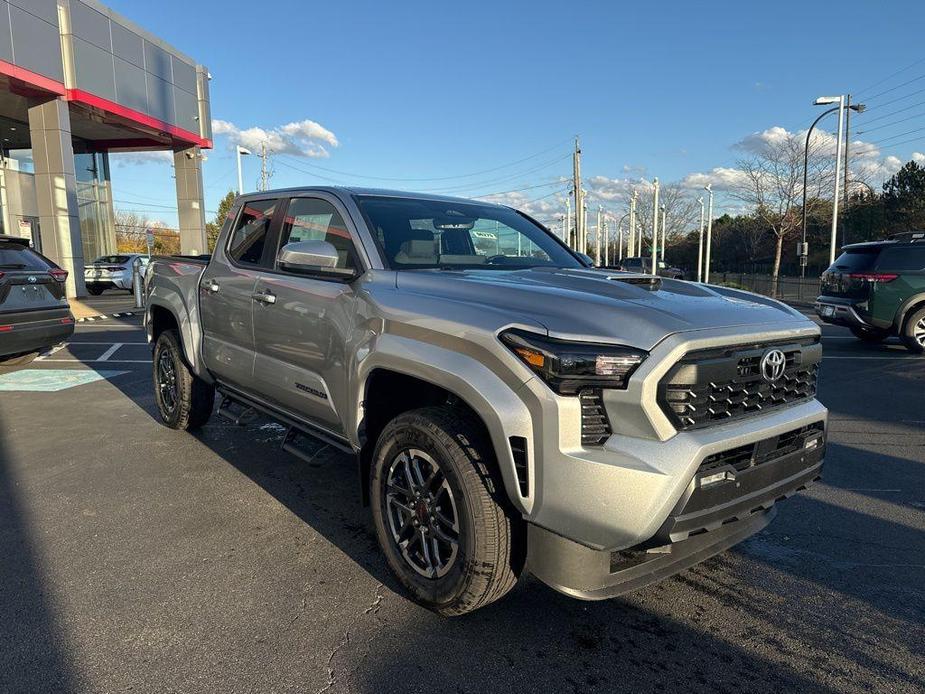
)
(510, 408)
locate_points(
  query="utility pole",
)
(838, 149)
(706, 271)
(655, 228)
(597, 240)
(664, 221)
(632, 248)
(567, 237)
(264, 169)
(606, 241)
(579, 196)
(700, 242)
(844, 233)
(584, 224)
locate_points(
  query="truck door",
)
(303, 323)
(226, 294)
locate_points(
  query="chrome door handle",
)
(212, 286)
(264, 297)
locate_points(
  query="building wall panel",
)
(90, 25)
(94, 68)
(6, 35)
(36, 44)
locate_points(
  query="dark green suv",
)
(877, 289)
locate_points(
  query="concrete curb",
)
(103, 316)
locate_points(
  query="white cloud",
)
(918, 157)
(722, 178)
(141, 158)
(304, 138)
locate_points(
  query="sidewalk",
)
(110, 304)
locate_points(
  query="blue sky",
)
(426, 90)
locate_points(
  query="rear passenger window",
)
(902, 259)
(311, 219)
(250, 233)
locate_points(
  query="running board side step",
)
(295, 428)
(226, 409)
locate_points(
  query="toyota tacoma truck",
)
(509, 408)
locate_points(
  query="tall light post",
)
(597, 239)
(700, 242)
(632, 247)
(706, 274)
(655, 227)
(664, 221)
(241, 151)
(629, 214)
(824, 101)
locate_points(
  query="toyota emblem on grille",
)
(32, 279)
(773, 364)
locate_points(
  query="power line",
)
(520, 190)
(893, 113)
(888, 125)
(437, 178)
(888, 78)
(893, 89)
(476, 185)
(898, 98)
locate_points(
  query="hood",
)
(602, 305)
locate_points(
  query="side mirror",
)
(312, 258)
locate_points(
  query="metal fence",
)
(784, 288)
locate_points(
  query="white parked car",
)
(112, 271)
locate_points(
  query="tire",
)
(913, 334)
(184, 401)
(19, 359)
(489, 549)
(95, 291)
(871, 335)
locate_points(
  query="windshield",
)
(418, 234)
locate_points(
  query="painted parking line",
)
(96, 361)
(109, 352)
(892, 358)
(52, 380)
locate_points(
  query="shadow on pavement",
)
(32, 655)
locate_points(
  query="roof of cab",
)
(353, 190)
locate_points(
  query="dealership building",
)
(78, 81)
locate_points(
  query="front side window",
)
(311, 219)
(417, 234)
(250, 233)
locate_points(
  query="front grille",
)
(766, 450)
(716, 386)
(595, 427)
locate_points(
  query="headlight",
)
(567, 367)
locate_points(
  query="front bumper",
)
(723, 505)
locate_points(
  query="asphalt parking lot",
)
(139, 558)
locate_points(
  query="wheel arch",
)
(395, 379)
(909, 306)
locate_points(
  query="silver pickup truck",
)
(510, 409)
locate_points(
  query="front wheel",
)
(913, 335)
(872, 335)
(440, 514)
(183, 400)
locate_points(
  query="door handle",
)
(266, 297)
(212, 286)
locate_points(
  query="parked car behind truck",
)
(877, 289)
(508, 411)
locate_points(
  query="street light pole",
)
(241, 150)
(632, 248)
(700, 242)
(655, 228)
(664, 222)
(806, 175)
(709, 189)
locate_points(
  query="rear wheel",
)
(872, 335)
(184, 400)
(914, 332)
(19, 360)
(440, 513)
